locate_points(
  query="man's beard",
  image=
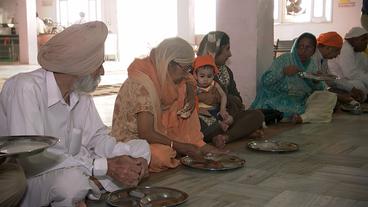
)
(86, 84)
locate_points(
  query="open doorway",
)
(142, 25)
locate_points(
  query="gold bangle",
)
(171, 144)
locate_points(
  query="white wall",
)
(186, 20)
(343, 18)
(249, 25)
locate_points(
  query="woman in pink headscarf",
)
(150, 105)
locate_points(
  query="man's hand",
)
(291, 70)
(126, 170)
(144, 171)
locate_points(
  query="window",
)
(204, 16)
(69, 11)
(302, 11)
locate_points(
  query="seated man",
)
(54, 101)
(352, 65)
(329, 45)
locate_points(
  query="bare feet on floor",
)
(220, 140)
(296, 119)
(258, 134)
(223, 126)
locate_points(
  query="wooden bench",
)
(282, 46)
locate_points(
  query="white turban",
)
(78, 50)
(355, 32)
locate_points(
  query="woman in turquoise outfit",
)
(282, 88)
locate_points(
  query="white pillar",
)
(250, 27)
(27, 30)
(186, 20)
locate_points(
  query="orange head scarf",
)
(201, 61)
(171, 49)
(166, 96)
(330, 39)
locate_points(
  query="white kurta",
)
(32, 104)
(320, 62)
(351, 67)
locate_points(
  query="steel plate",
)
(146, 196)
(25, 145)
(320, 77)
(215, 162)
(272, 146)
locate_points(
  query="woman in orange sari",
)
(150, 103)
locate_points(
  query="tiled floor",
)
(330, 169)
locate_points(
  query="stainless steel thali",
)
(320, 77)
(25, 145)
(272, 146)
(355, 109)
(214, 162)
(146, 197)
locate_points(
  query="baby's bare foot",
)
(220, 141)
(258, 134)
(223, 126)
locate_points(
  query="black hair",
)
(225, 40)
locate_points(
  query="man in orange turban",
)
(329, 45)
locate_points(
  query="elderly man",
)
(329, 45)
(54, 101)
(352, 65)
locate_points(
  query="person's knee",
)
(19, 181)
(15, 182)
(70, 188)
(257, 116)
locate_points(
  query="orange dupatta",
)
(167, 99)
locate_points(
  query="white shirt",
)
(41, 27)
(320, 62)
(350, 64)
(32, 104)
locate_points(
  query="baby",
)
(212, 99)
